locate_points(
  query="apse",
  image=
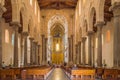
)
(57, 51)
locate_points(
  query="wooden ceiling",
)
(107, 14)
(57, 4)
(8, 14)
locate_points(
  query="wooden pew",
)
(13, 74)
(118, 74)
(84, 73)
(35, 73)
(110, 74)
(99, 73)
(5, 73)
(0, 74)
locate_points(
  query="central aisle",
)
(58, 74)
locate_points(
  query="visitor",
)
(75, 67)
(3, 65)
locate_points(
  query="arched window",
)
(13, 39)
(79, 7)
(38, 16)
(84, 2)
(96, 43)
(31, 2)
(6, 36)
(102, 39)
(108, 36)
(35, 8)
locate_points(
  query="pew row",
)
(22, 73)
(31, 74)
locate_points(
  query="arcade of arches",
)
(38, 32)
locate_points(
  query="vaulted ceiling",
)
(57, 4)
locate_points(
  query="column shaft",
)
(2, 10)
(39, 54)
(43, 53)
(116, 37)
(89, 49)
(69, 40)
(72, 48)
(99, 46)
(36, 58)
(25, 49)
(15, 26)
(83, 51)
(31, 50)
(79, 52)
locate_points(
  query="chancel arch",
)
(57, 39)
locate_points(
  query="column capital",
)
(15, 24)
(100, 24)
(90, 33)
(116, 9)
(83, 38)
(38, 45)
(43, 16)
(79, 42)
(71, 16)
(42, 35)
(72, 35)
(25, 34)
(35, 41)
(31, 38)
(2, 10)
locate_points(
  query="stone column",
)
(2, 10)
(39, 54)
(76, 53)
(83, 51)
(99, 46)
(15, 26)
(79, 43)
(90, 48)
(72, 48)
(43, 53)
(25, 34)
(69, 41)
(36, 53)
(116, 41)
(45, 50)
(31, 50)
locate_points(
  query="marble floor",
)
(58, 74)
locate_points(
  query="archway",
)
(57, 40)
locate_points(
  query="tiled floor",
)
(58, 74)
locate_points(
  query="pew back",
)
(110, 73)
(84, 72)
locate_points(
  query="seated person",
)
(74, 67)
(3, 65)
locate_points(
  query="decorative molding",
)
(2, 10)
(100, 23)
(16, 24)
(116, 9)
